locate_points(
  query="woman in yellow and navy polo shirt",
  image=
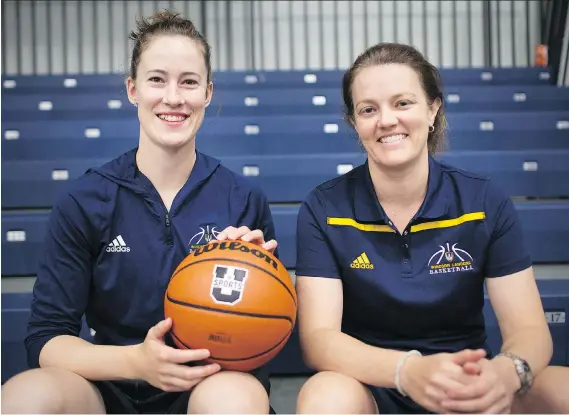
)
(392, 259)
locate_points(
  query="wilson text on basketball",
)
(235, 246)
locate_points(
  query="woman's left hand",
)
(245, 234)
(492, 393)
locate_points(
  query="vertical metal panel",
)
(321, 31)
(329, 48)
(403, 24)
(487, 13)
(285, 35)
(267, 41)
(212, 33)
(469, 31)
(313, 29)
(241, 52)
(336, 36)
(343, 44)
(55, 37)
(463, 40)
(41, 35)
(359, 43)
(432, 52)
(535, 28)
(291, 29)
(26, 36)
(387, 22)
(454, 20)
(373, 22)
(64, 36)
(416, 25)
(520, 33)
(478, 34)
(299, 45)
(276, 43)
(447, 38)
(117, 33)
(563, 77)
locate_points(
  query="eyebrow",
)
(396, 96)
(163, 72)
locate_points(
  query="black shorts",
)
(138, 397)
(390, 401)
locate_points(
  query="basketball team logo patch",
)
(205, 235)
(228, 284)
(450, 259)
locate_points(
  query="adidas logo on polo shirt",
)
(362, 262)
(118, 245)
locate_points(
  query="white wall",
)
(57, 36)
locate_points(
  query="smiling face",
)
(171, 91)
(392, 114)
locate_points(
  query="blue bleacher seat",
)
(270, 79)
(289, 178)
(554, 294)
(283, 101)
(545, 225)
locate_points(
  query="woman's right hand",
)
(163, 366)
(427, 378)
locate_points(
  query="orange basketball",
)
(235, 299)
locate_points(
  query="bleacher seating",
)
(284, 131)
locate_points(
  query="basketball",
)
(235, 299)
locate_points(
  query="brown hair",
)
(166, 23)
(429, 76)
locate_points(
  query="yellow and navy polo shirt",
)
(422, 288)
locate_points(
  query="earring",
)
(431, 128)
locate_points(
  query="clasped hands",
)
(463, 382)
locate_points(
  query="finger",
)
(158, 331)
(174, 384)
(479, 405)
(465, 356)
(223, 234)
(474, 390)
(189, 373)
(270, 246)
(472, 369)
(255, 236)
(445, 383)
(180, 356)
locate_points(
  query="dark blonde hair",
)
(429, 76)
(166, 23)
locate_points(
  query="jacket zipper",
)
(168, 229)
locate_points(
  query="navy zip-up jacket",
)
(111, 247)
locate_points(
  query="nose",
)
(172, 96)
(386, 118)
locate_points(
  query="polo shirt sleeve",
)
(314, 254)
(507, 252)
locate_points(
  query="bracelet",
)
(398, 369)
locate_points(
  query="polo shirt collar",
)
(368, 209)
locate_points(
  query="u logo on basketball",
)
(228, 284)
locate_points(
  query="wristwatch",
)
(523, 370)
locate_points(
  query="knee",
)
(229, 393)
(331, 392)
(548, 394)
(33, 391)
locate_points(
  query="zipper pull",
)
(167, 220)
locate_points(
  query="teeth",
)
(392, 138)
(172, 118)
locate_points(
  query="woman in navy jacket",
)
(114, 240)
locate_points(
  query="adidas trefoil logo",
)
(118, 245)
(362, 262)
